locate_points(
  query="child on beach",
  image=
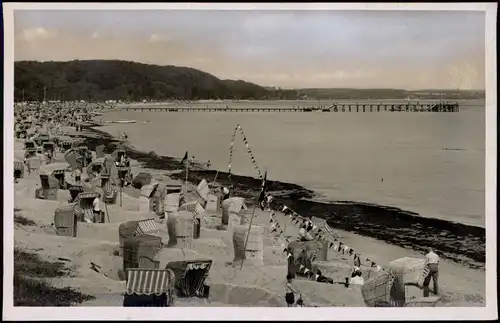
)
(290, 291)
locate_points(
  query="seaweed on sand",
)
(31, 287)
(20, 219)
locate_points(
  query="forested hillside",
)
(97, 80)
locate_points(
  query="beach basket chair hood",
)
(141, 180)
(149, 288)
(100, 151)
(18, 169)
(190, 277)
(85, 205)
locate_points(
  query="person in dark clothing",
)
(290, 291)
(309, 227)
(323, 279)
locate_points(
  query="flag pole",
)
(251, 220)
(248, 233)
(186, 183)
(121, 191)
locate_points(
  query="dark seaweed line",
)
(458, 242)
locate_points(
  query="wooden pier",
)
(337, 107)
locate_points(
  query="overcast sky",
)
(291, 49)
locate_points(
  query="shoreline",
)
(461, 243)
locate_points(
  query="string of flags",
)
(249, 151)
(336, 245)
(318, 233)
(275, 227)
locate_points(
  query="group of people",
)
(356, 278)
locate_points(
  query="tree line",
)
(101, 80)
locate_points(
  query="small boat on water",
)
(120, 121)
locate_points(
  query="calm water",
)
(342, 156)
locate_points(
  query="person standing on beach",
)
(78, 176)
(225, 193)
(96, 204)
(290, 291)
(432, 263)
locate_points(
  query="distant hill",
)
(96, 80)
(363, 94)
(99, 80)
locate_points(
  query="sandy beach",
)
(254, 286)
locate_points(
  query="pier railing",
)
(336, 107)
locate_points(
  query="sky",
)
(289, 49)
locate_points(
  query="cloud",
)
(154, 38)
(281, 48)
(33, 34)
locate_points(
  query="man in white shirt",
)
(357, 279)
(97, 208)
(432, 263)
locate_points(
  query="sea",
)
(429, 163)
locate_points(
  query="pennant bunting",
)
(357, 261)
